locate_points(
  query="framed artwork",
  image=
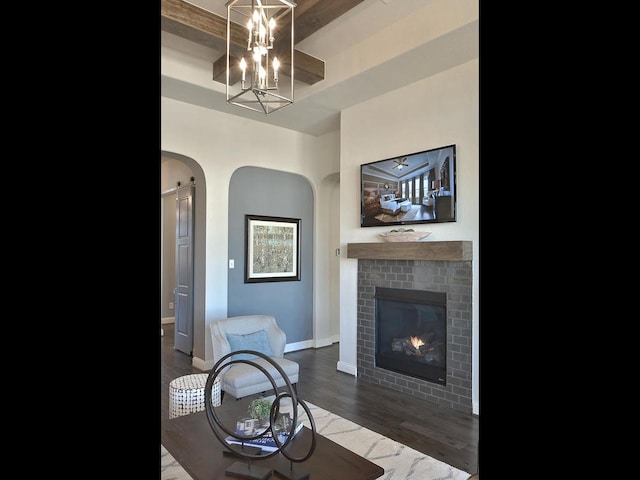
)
(272, 246)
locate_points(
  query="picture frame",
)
(272, 249)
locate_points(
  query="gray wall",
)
(260, 191)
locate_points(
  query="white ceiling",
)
(376, 47)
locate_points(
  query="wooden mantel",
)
(447, 250)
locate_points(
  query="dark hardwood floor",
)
(444, 434)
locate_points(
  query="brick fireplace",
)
(430, 266)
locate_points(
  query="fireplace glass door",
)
(411, 333)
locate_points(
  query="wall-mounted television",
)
(409, 189)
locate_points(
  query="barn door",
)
(184, 269)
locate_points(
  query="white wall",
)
(437, 111)
(220, 144)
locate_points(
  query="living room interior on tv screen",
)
(409, 189)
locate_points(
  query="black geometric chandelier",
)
(254, 71)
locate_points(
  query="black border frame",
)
(265, 218)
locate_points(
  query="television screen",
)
(409, 189)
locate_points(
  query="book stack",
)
(266, 443)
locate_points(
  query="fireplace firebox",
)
(411, 333)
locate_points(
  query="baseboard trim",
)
(293, 347)
(347, 368)
(324, 342)
(289, 347)
(201, 364)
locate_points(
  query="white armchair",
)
(251, 332)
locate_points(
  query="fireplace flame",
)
(416, 342)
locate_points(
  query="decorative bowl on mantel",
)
(404, 235)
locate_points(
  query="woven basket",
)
(186, 394)
(404, 236)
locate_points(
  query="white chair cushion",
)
(242, 379)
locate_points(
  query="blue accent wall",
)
(261, 191)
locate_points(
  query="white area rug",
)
(170, 469)
(399, 461)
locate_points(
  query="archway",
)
(174, 168)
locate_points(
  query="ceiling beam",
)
(205, 28)
(193, 23)
(312, 15)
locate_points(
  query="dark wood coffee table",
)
(201, 453)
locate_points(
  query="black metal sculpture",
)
(248, 470)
